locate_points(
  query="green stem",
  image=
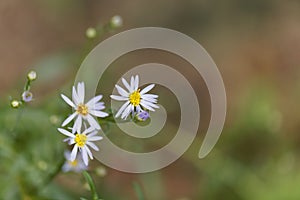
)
(91, 183)
(18, 119)
(138, 191)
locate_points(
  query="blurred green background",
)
(256, 46)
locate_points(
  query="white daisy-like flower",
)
(82, 141)
(84, 111)
(76, 165)
(135, 99)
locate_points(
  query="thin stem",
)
(91, 183)
(138, 191)
(18, 119)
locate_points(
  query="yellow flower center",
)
(82, 109)
(80, 139)
(135, 98)
(73, 163)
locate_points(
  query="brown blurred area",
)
(248, 41)
(251, 42)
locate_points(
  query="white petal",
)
(147, 89)
(80, 91)
(136, 82)
(89, 152)
(98, 113)
(93, 122)
(123, 107)
(94, 100)
(70, 118)
(138, 108)
(121, 91)
(75, 96)
(89, 130)
(85, 156)
(152, 100)
(77, 125)
(126, 84)
(149, 96)
(65, 132)
(67, 100)
(95, 138)
(132, 84)
(119, 98)
(74, 153)
(93, 146)
(98, 107)
(93, 133)
(148, 105)
(127, 111)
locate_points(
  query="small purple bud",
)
(27, 96)
(143, 116)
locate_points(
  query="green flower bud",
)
(15, 104)
(91, 33)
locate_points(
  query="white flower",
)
(76, 166)
(82, 141)
(135, 99)
(84, 111)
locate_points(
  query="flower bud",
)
(101, 171)
(143, 116)
(116, 21)
(15, 104)
(27, 96)
(31, 75)
(91, 33)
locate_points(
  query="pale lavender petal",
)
(93, 146)
(98, 113)
(95, 138)
(74, 153)
(136, 82)
(126, 84)
(127, 112)
(94, 100)
(147, 89)
(121, 91)
(75, 96)
(80, 91)
(89, 152)
(93, 122)
(69, 119)
(132, 83)
(85, 156)
(123, 107)
(67, 100)
(77, 125)
(89, 130)
(119, 98)
(65, 132)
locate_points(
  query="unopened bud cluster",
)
(26, 95)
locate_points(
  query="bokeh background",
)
(255, 44)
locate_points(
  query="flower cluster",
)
(83, 133)
(84, 113)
